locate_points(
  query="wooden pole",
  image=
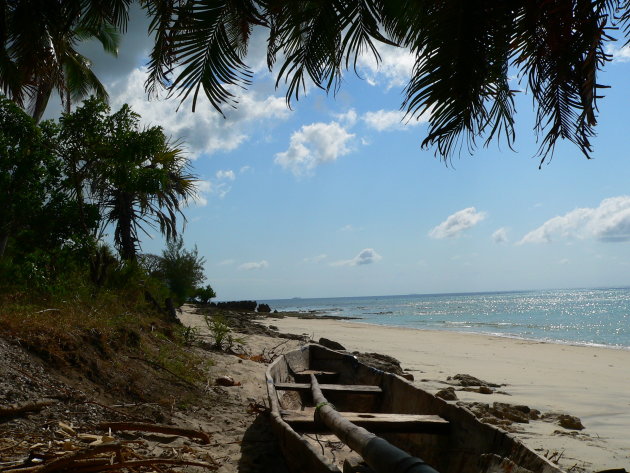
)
(379, 454)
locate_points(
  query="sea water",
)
(577, 316)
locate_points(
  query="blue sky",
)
(336, 197)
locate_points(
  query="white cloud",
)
(366, 256)
(349, 228)
(254, 265)
(200, 198)
(226, 175)
(204, 131)
(394, 70)
(316, 259)
(610, 222)
(348, 118)
(619, 54)
(500, 236)
(244, 169)
(386, 120)
(455, 224)
(313, 145)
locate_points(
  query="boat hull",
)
(467, 446)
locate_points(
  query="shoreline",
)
(360, 320)
(586, 381)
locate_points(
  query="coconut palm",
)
(38, 40)
(465, 53)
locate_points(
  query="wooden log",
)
(348, 388)
(14, 410)
(157, 428)
(374, 422)
(379, 454)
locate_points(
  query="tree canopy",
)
(38, 48)
(465, 53)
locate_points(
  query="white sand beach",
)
(588, 382)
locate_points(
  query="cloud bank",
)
(205, 131)
(609, 222)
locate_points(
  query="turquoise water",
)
(577, 316)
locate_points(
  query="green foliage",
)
(135, 176)
(181, 270)
(204, 294)
(221, 333)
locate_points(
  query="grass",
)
(106, 330)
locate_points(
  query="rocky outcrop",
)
(249, 306)
(264, 308)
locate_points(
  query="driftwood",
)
(14, 410)
(67, 461)
(379, 454)
(83, 461)
(158, 428)
(148, 462)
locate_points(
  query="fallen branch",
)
(149, 462)
(14, 410)
(68, 460)
(158, 428)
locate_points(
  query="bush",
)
(204, 294)
(181, 270)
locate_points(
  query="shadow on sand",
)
(260, 452)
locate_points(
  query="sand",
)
(588, 382)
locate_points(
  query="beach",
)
(591, 383)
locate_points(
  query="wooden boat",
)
(447, 438)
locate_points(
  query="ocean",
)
(599, 317)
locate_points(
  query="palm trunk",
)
(4, 238)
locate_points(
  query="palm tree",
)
(138, 179)
(465, 51)
(38, 55)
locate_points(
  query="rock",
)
(264, 308)
(468, 380)
(331, 344)
(570, 422)
(380, 362)
(249, 306)
(480, 390)
(534, 414)
(507, 411)
(407, 376)
(273, 327)
(226, 381)
(448, 394)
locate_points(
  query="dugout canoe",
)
(385, 414)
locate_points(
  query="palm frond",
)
(460, 75)
(209, 41)
(560, 47)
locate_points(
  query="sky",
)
(335, 197)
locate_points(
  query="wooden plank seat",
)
(303, 421)
(346, 388)
(316, 373)
(322, 375)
